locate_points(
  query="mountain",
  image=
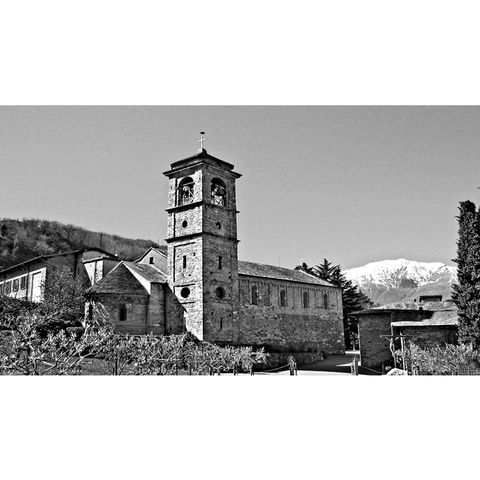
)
(402, 280)
(22, 240)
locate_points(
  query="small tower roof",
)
(197, 159)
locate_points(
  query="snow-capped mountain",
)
(403, 280)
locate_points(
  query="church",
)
(197, 284)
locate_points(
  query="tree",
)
(352, 298)
(466, 293)
(25, 350)
(63, 301)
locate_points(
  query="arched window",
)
(122, 312)
(185, 191)
(306, 300)
(254, 295)
(218, 192)
(325, 301)
(283, 298)
(220, 292)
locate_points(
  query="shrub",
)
(448, 360)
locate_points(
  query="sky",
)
(350, 184)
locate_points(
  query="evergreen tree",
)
(352, 298)
(466, 294)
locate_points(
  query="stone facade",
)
(202, 245)
(294, 326)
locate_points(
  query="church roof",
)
(148, 272)
(279, 273)
(122, 279)
(119, 280)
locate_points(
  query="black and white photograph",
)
(225, 228)
(295, 240)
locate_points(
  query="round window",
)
(185, 292)
(220, 292)
(184, 224)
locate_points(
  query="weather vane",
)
(202, 140)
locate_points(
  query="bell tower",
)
(202, 245)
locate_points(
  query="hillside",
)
(402, 280)
(21, 240)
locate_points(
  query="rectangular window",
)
(23, 282)
(16, 284)
(1, 288)
(220, 262)
(184, 261)
(151, 260)
(8, 287)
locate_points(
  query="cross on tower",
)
(203, 137)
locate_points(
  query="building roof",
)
(118, 280)
(279, 273)
(161, 249)
(148, 272)
(426, 307)
(439, 318)
(431, 306)
(383, 311)
(61, 254)
(122, 279)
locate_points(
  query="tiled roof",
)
(439, 318)
(148, 272)
(279, 273)
(431, 306)
(119, 280)
(61, 254)
(426, 307)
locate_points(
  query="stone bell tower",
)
(202, 245)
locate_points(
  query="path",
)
(333, 365)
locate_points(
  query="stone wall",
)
(107, 308)
(293, 328)
(375, 350)
(174, 313)
(220, 289)
(430, 336)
